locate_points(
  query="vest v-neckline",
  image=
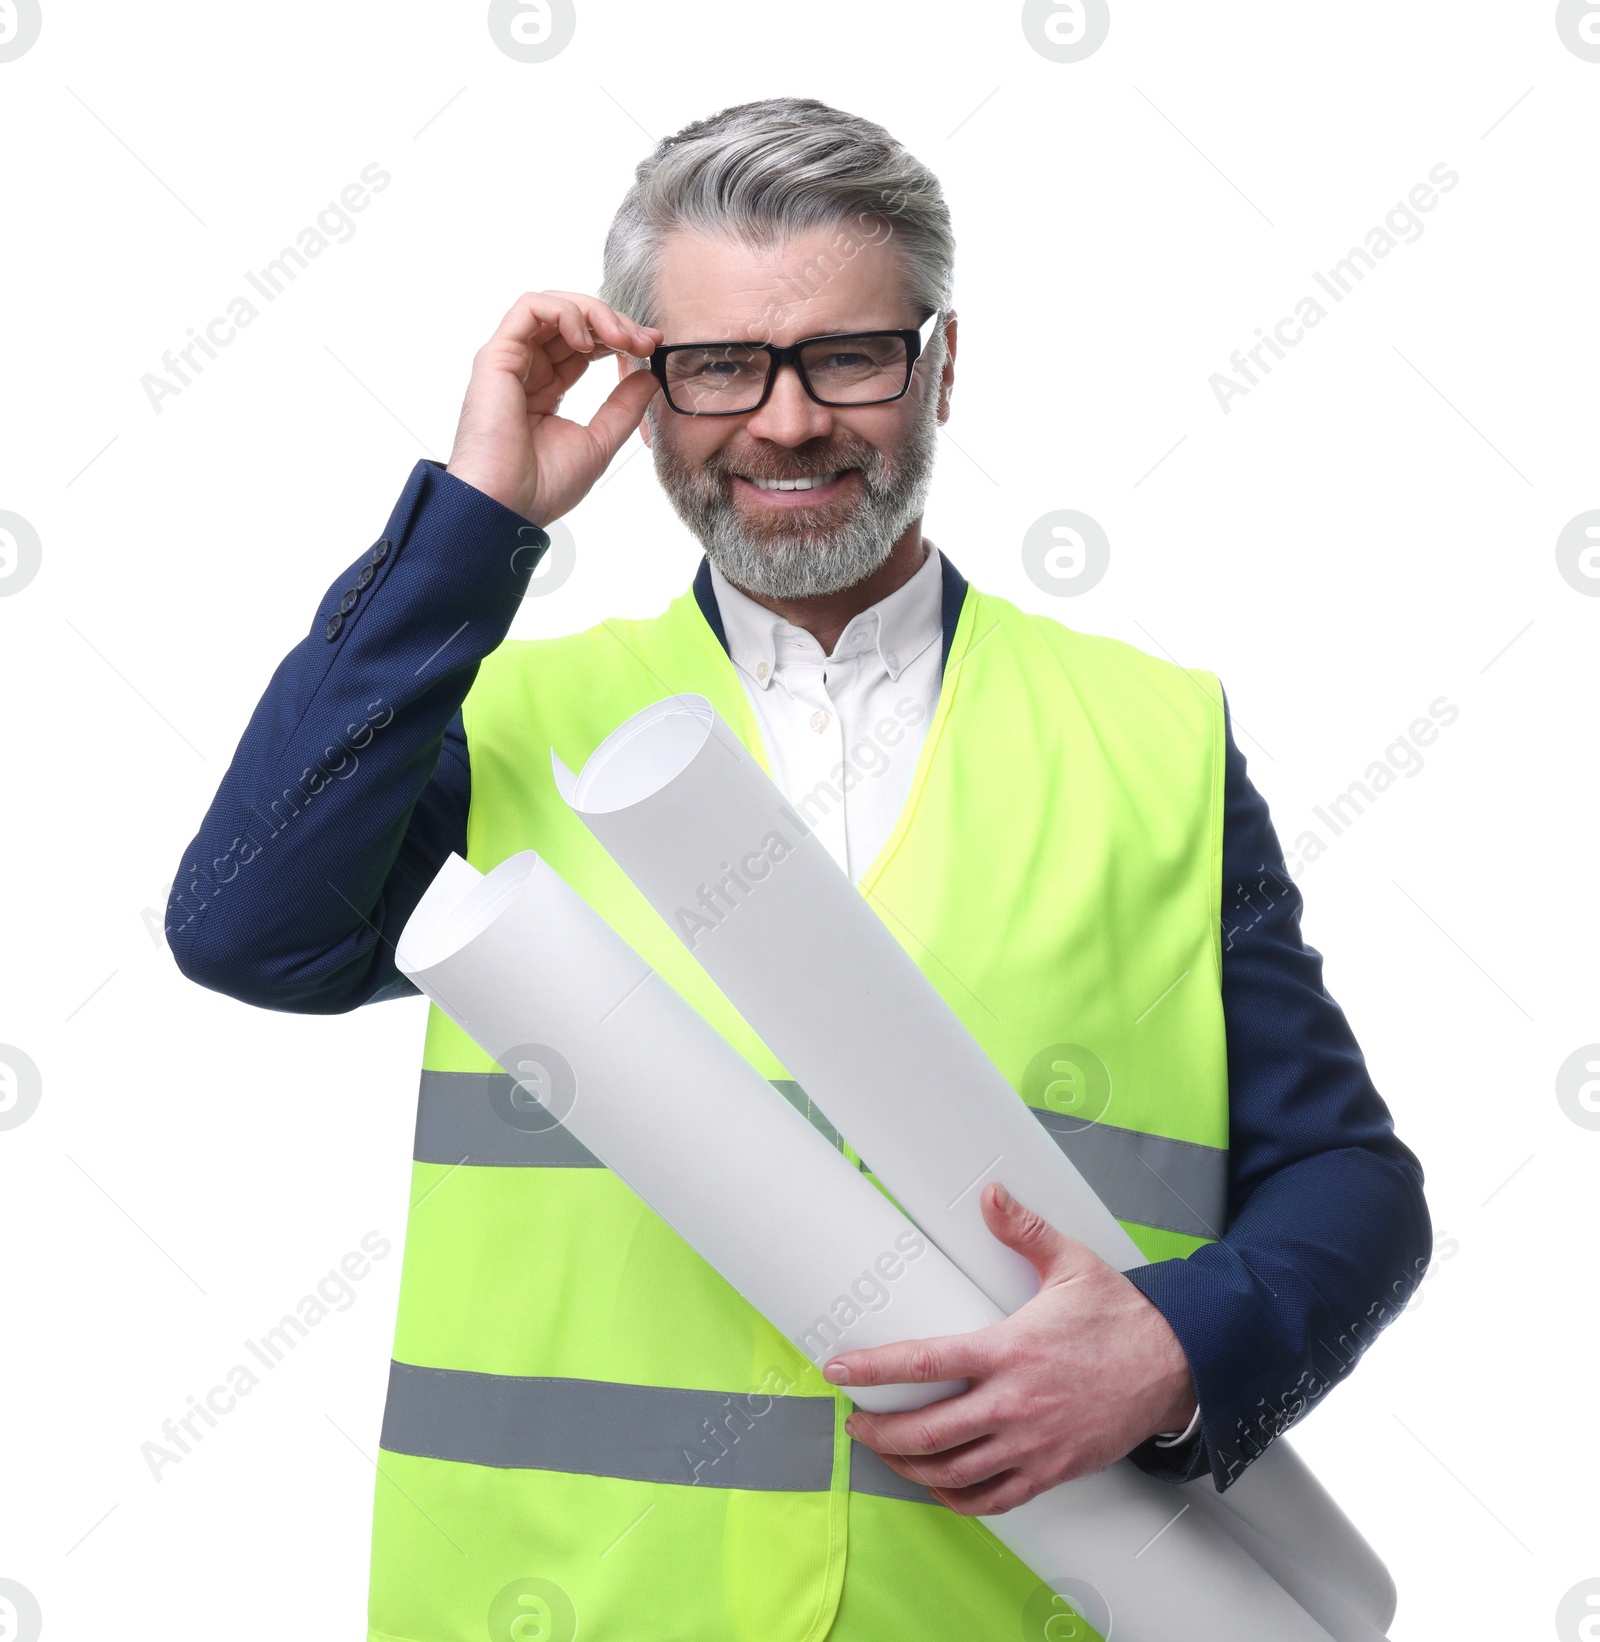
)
(958, 600)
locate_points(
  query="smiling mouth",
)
(814, 481)
(806, 490)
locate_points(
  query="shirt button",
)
(381, 551)
(892, 659)
(820, 720)
(335, 622)
(762, 669)
(364, 577)
(348, 602)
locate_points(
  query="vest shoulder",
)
(575, 688)
(516, 656)
(1095, 659)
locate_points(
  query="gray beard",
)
(789, 563)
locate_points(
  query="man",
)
(585, 1424)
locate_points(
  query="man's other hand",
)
(1083, 1373)
(510, 443)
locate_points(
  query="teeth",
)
(810, 483)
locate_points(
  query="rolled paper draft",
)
(1332, 1607)
(676, 800)
(544, 985)
(539, 980)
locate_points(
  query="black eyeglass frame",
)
(915, 343)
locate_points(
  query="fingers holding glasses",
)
(510, 443)
(543, 328)
(568, 322)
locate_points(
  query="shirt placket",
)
(818, 751)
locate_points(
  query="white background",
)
(1373, 527)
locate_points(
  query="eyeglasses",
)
(734, 378)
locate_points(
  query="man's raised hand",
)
(510, 443)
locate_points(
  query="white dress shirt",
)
(842, 732)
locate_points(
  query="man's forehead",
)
(841, 277)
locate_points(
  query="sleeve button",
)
(381, 551)
(335, 622)
(348, 602)
(364, 577)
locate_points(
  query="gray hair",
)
(763, 171)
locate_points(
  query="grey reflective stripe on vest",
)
(810, 1111)
(644, 1433)
(1173, 1185)
(467, 1117)
(870, 1475)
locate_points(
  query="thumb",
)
(622, 412)
(1051, 1253)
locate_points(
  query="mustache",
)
(837, 457)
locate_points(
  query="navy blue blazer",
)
(350, 787)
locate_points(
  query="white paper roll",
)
(1294, 1528)
(681, 806)
(534, 976)
(524, 966)
(1330, 1607)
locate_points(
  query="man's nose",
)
(790, 416)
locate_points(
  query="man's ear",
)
(947, 376)
(625, 367)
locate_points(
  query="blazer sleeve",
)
(350, 785)
(1328, 1231)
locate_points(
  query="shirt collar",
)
(895, 630)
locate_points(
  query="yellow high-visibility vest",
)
(588, 1432)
